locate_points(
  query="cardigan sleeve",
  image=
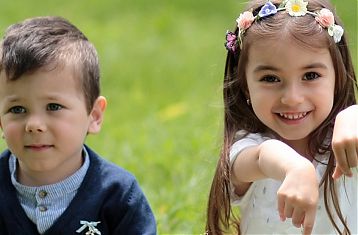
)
(138, 218)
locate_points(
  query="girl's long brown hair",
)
(239, 116)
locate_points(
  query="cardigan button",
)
(42, 194)
(42, 208)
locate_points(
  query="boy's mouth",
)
(38, 147)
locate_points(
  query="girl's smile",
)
(293, 118)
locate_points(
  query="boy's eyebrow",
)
(12, 98)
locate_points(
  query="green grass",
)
(162, 66)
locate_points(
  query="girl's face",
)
(44, 119)
(291, 88)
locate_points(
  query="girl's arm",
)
(298, 194)
(345, 141)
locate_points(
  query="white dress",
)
(258, 207)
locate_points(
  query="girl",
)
(290, 128)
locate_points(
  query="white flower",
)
(336, 31)
(296, 7)
(92, 230)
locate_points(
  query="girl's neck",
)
(300, 146)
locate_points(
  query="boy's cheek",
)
(11, 131)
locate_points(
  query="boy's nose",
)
(35, 124)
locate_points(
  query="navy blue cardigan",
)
(108, 194)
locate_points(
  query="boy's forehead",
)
(3, 78)
(61, 68)
(44, 83)
(57, 71)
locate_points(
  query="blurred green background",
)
(162, 66)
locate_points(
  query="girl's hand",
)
(298, 196)
(345, 141)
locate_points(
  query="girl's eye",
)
(54, 107)
(17, 110)
(311, 76)
(270, 79)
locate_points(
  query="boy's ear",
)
(2, 132)
(96, 115)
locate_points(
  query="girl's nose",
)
(35, 124)
(292, 95)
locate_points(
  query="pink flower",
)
(245, 20)
(325, 18)
(231, 41)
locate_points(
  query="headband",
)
(294, 8)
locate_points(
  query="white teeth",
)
(293, 116)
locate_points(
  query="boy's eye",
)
(17, 110)
(269, 78)
(311, 76)
(53, 107)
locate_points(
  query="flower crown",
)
(294, 8)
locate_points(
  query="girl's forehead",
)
(286, 53)
(282, 46)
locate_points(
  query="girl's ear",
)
(96, 115)
(247, 95)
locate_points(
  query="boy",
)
(51, 183)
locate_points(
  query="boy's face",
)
(44, 121)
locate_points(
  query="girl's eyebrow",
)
(315, 65)
(260, 68)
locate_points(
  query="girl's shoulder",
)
(244, 139)
(255, 136)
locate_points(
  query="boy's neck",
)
(35, 179)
